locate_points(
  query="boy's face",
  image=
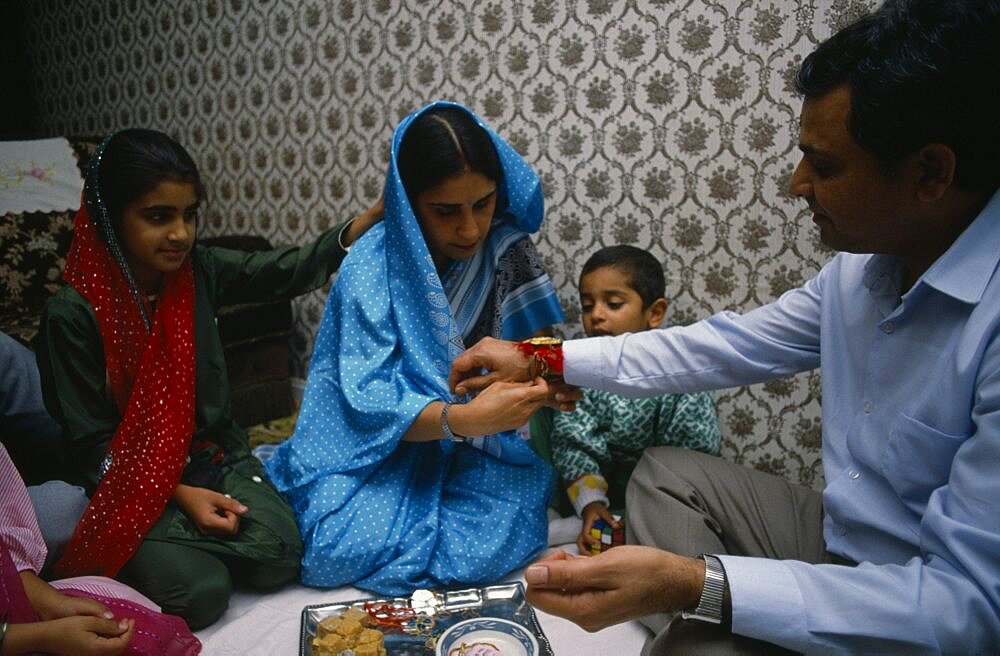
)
(610, 306)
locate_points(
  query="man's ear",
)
(656, 312)
(936, 164)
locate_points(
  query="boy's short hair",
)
(644, 272)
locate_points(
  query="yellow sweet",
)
(370, 635)
(330, 645)
(349, 627)
(339, 633)
(328, 626)
(369, 649)
(357, 615)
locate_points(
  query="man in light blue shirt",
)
(900, 166)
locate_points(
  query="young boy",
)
(595, 448)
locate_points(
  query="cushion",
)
(33, 248)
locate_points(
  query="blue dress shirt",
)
(911, 444)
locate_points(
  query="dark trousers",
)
(692, 503)
(192, 575)
(195, 584)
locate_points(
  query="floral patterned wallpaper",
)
(668, 124)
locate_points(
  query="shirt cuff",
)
(340, 236)
(766, 601)
(582, 362)
(587, 489)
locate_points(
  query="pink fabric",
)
(13, 600)
(102, 586)
(18, 525)
(155, 634)
(22, 548)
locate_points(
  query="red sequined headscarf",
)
(149, 355)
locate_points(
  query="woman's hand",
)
(500, 407)
(362, 222)
(79, 635)
(591, 513)
(618, 585)
(211, 512)
(502, 360)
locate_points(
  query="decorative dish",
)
(487, 636)
(413, 626)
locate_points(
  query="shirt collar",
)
(962, 272)
(968, 265)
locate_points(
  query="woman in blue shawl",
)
(388, 495)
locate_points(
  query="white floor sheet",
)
(268, 624)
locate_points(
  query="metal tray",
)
(435, 612)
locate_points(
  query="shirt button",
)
(855, 475)
(888, 327)
(256, 479)
(842, 530)
(868, 407)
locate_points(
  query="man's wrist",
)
(545, 357)
(713, 594)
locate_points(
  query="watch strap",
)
(713, 592)
(448, 433)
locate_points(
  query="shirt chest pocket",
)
(917, 460)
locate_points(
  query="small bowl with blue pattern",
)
(487, 636)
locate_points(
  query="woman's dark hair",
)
(640, 268)
(920, 71)
(137, 160)
(440, 143)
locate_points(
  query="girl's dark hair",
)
(920, 71)
(137, 160)
(643, 271)
(440, 143)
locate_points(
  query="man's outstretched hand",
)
(618, 585)
(492, 360)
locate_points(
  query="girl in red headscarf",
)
(132, 367)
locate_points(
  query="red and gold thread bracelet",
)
(546, 357)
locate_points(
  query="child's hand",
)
(211, 512)
(50, 604)
(563, 396)
(363, 221)
(80, 635)
(87, 636)
(592, 512)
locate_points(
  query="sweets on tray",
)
(348, 631)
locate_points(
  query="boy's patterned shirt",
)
(609, 429)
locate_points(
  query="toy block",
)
(606, 536)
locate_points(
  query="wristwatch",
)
(448, 433)
(709, 607)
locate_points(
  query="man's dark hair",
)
(643, 271)
(440, 143)
(920, 72)
(135, 161)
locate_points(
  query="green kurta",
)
(71, 351)
(74, 385)
(608, 432)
